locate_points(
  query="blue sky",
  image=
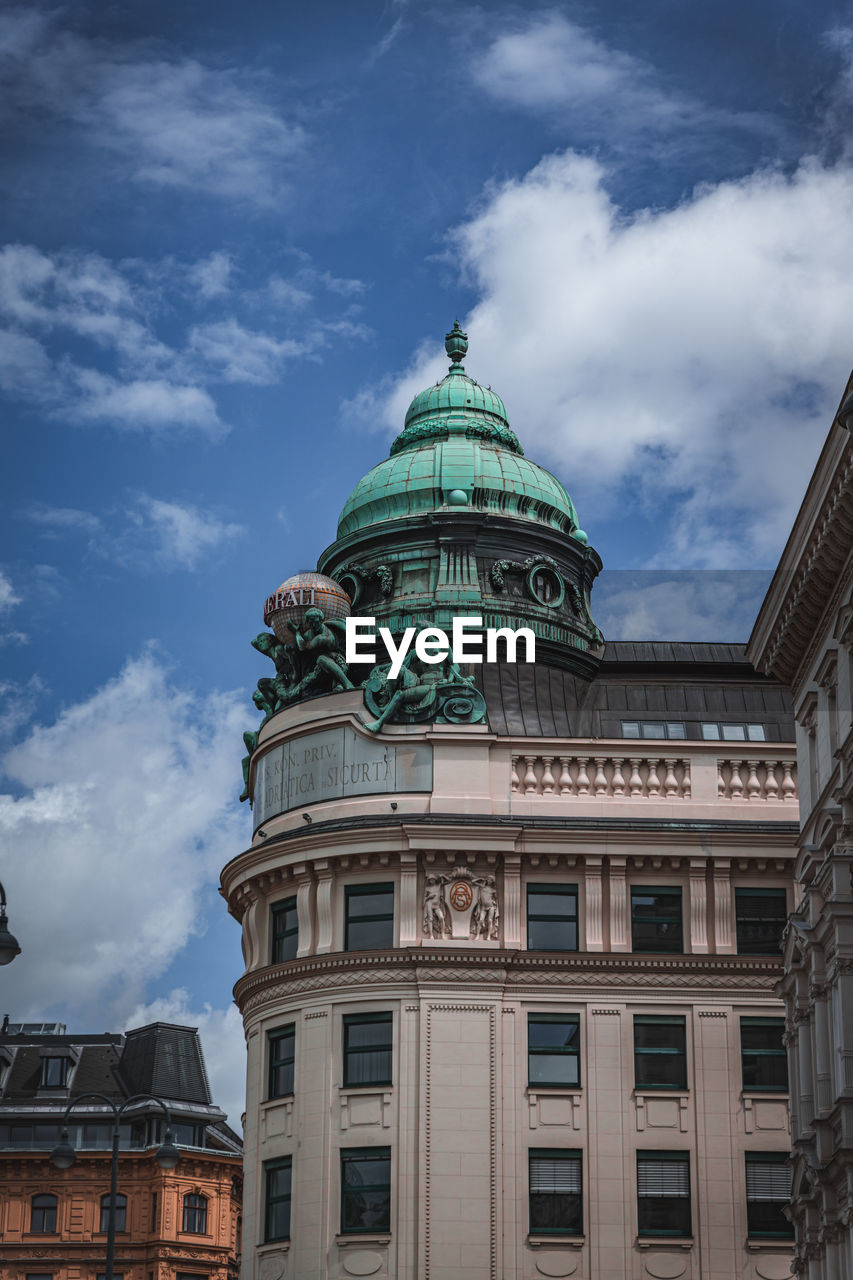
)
(232, 240)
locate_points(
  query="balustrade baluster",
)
(515, 781)
(530, 775)
(617, 782)
(583, 776)
(686, 782)
(653, 783)
(635, 782)
(771, 786)
(789, 786)
(600, 776)
(736, 784)
(753, 786)
(670, 782)
(565, 776)
(547, 776)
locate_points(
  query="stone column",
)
(594, 914)
(698, 906)
(324, 907)
(512, 902)
(410, 930)
(305, 937)
(723, 939)
(619, 940)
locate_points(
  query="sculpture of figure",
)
(485, 916)
(320, 645)
(250, 741)
(436, 918)
(271, 690)
(415, 688)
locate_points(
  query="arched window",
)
(195, 1214)
(121, 1212)
(43, 1214)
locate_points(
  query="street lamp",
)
(64, 1155)
(8, 942)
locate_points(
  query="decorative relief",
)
(272, 1265)
(665, 1266)
(556, 1264)
(363, 1263)
(461, 905)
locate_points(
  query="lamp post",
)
(8, 942)
(64, 1155)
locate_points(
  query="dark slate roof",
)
(95, 1067)
(165, 1060)
(653, 680)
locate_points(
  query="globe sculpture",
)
(297, 595)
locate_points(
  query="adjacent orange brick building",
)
(177, 1224)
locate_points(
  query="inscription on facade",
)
(334, 764)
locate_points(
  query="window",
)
(653, 729)
(553, 1049)
(556, 1192)
(281, 1057)
(43, 1214)
(369, 916)
(660, 1054)
(187, 1135)
(764, 1061)
(285, 931)
(121, 1212)
(552, 917)
(368, 1042)
(733, 732)
(768, 1190)
(54, 1073)
(760, 916)
(153, 1210)
(195, 1214)
(663, 1193)
(656, 919)
(365, 1189)
(277, 1213)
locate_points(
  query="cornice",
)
(500, 970)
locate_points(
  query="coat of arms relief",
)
(462, 905)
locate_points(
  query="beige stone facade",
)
(804, 636)
(471, 1152)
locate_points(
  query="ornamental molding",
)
(415, 967)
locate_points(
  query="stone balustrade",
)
(651, 777)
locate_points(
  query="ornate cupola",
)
(458, 521)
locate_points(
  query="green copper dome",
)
(457, 450)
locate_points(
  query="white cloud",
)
(170, 122)
(56, 522)
(182, 535)
(123, 814)
(222, 1040)
(685, 360)
(211, 276)
(550, 65)
(238, 354)
(153, 404)
(693, 605)
(8, 596)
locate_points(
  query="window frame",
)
(641, 1051)
(365, 1153)
(361, 890)
(535, 1018)
(553, 890)
(280, 936)
(647, 891)
(271, 1168)
(62, 1063)
(759, 1158)
(660, 1233)
(43, 1210)
(642, 736)
(716, 731)
(275, 1037)
(775, 893)
(194, 1209)
(570, 1155)
(774, 1053)
(377, 1017)
(104, 1226)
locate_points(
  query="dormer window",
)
(54, 1073)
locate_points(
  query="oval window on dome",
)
(546, 586)
(350, 584)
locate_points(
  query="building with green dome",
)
(510, 929)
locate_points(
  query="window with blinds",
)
(663, 1193)
(768, 1190)
(556, 1192)
(368, 1047)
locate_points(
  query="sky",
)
(232, 238)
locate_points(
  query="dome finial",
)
(456, 344)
